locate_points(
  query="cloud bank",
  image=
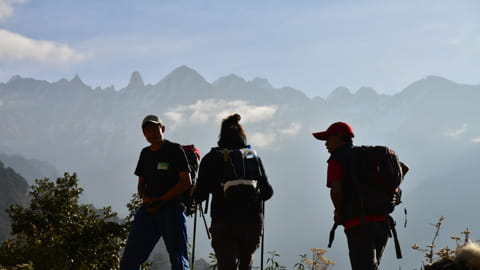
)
(15, 47)
(213, 111)
(263, 130)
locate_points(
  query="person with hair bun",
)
(234, 175)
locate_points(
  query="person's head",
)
(337, 134)
(153, 129)
(232, 134)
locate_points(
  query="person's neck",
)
(341, 146)
(157, 146)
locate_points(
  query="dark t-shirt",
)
(160, 168)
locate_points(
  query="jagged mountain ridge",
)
(73, 110)
(96, 132)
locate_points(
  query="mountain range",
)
(14, 191)
(432, 124)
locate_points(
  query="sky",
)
(313, 46)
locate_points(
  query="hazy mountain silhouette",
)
(136, 81)
(30, 169)
(13, 191)
(432, 124)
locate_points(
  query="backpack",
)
(377, 173)
(241, 170)
(376, 177)
(193, 157)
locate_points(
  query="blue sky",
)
(314, 46)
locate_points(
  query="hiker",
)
(367, 231)
(163, 176)
(235, 177)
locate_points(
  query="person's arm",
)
(141, 191)
(266, 190)
(140, 187)
(334, 182)
(202, 188)
(336, 196)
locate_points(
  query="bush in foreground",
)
(55, 231)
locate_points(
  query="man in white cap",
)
(163, 176)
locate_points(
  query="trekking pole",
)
(194, 237)
(263, 237)
(204, 221)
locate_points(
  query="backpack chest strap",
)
(245, 182)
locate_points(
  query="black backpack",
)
(193, 157)
(377, 173)
(376, 177)
(240, 173)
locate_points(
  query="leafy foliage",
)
(445, 255)
(56, 232)
(272, 263)
(213, 261)
(319, 261)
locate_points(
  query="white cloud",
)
(265, 131)
(292, 129)
(17, 47)
(175, 117)
(457, 132)
(213, 111)
(476, 140)
(6, 8)
(260, 139)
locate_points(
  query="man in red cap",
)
(367, 235)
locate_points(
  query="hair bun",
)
(234, 118)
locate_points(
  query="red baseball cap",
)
(335, 128)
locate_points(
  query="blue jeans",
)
(147, 229)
